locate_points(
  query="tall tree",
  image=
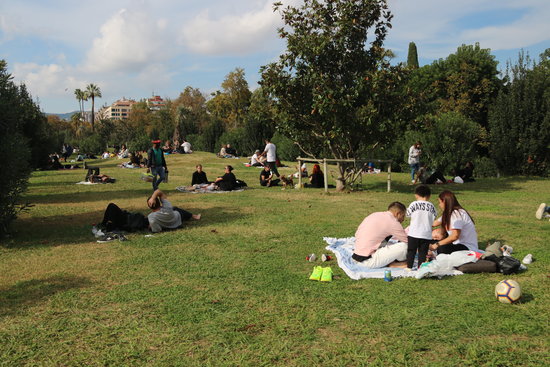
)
(236, 88)
(93, 92)
(81, 96)
(333, 86)
(412, 57)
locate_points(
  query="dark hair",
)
(229, 168)
(423, 191)
(450, 204)
(157, 204)
(397, 206)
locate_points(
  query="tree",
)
(333, 87)
(25, 143)
(81, 96)
(231, 104)
(519, 120)
(412, 57)
(93, 92)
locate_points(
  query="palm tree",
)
(93, 91)
(81, 96)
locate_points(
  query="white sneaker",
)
(528, 259)
(540, 211)
(522, 267)
(507, 250)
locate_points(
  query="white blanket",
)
(343, 249)
(203, 190)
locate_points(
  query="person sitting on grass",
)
(543, 211)
(257, 160)
(228, 181)
(199, 176)
(266, 178)
(373, 232)
(316, 179)
(429, 177)
(230, 150)
(165, 216)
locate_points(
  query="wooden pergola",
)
(324, 162)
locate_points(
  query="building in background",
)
(155, 103)
(119, 110)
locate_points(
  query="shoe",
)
(540, 211)
(522, 267)
(327, 274)
(121, 237)
(325, 257)
(528, 259)
(107, 238)
(507, 250)
(311, 258)
(316, 274)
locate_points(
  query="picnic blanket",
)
(343, 249)
(204, 190)
(87, 183)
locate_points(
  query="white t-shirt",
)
(468, 234)
(166, 217)
(186, 147)
(271, 152)
(422, 214)
(254, 159)
(414, 155)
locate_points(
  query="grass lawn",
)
(233, 289)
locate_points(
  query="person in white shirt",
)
(270, 152)
(186, 147)
(256, 159)
(422, 214)
(414, 158)
(457, 223)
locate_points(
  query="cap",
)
(155, 141)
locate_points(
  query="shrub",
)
(485, 167)
(286, 149)
(93, 144)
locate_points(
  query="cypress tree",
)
(412, 58)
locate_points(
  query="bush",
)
(92, 144)
(286, 149)
(140, 142)
(485, 167)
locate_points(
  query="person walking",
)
(270, 152)
(156, 164)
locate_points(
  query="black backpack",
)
(240, 183)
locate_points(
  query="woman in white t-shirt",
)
(457, 223)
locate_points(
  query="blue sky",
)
(134, 48)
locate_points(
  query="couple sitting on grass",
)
(457, 232)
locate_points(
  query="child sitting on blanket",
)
(199, 176)
(422, 214)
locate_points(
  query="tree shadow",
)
(26, 294)
(88, 196)
(492, 185)
(70, 229)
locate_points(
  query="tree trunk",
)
(341, 181)
(93, 117)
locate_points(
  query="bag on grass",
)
(508, 265)
(240, 184)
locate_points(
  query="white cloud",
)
(130, 40)
(231, 34)
(52, 79)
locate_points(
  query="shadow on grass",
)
(26, 294)
(73, 229)
(482, 185)
(88, 196)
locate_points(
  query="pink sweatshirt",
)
(374, 229)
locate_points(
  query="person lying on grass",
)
(371, 247)
(165, 216)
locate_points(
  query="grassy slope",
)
(232, 289)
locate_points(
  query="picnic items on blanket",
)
(447, 262)
(387, 276)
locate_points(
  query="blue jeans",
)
(157, 171)
(414, 168)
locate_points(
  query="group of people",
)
(421, 173)
(453, 231)
(227, 151)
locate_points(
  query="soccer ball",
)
(508, 291)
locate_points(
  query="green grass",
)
(233, 289)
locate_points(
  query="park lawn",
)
(233, 289)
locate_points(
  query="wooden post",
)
(299, 173)
(389, 176)
(325, 173)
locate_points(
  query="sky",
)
(139, 48)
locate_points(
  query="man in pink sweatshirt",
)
(374, 230)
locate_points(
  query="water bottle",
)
(165, 176)
(387, 276)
